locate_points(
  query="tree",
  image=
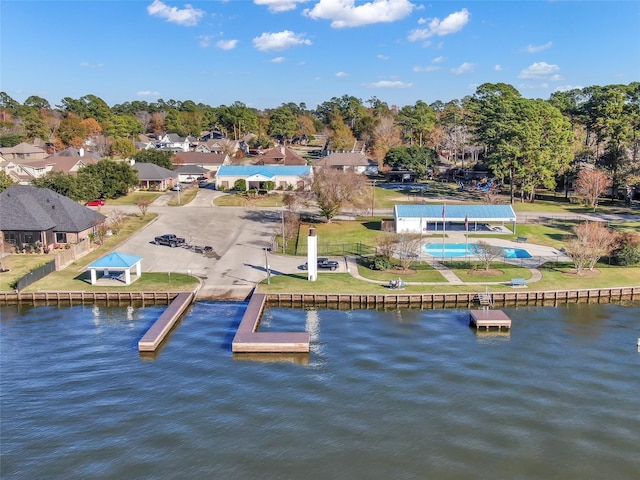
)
(282, 122)
(592, 241)
(628, 251)
(61, 183)
(143, 205)
(590, 185)
(486, 253)
(71, 130)
(385, 136)
(335, 190)
(406, 248)
(5, 181)
(114, 179)
(122, 148)
(341, 136)
(416, 159)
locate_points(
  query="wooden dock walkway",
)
(159, 330)
(249, 340)
(489, 318)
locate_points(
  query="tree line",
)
(524, 143)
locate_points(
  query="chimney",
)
(81, 152)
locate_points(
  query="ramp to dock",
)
(249, 340)
(159, 330)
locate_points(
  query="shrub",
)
(381, 263)
(269, 185)
(240, 185)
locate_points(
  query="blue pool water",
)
(453, 250)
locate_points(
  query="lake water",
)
(399, 394)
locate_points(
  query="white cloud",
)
(438, 59)
(539, 70)
(497, 68)
(187, 16)
(342, 74)
(345, 13)
(91, 65)
(205, 40)
(466, 67)
(533, 86)
(147, 93)
(538, 48)
(278, 60)
(566, 88)
(280, 5)
(428, 68)
(227, 44)
(279, 41)
(388, 84)
(383, 57)
(451, 24)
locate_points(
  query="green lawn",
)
(236, 200)
(133, 197)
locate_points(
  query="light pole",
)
(282, 230)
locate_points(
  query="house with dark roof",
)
(354, 161)
(41, 217)
(154, 177)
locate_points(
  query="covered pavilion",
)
(441, 217)
(116, 266)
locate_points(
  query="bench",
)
(521, 239)
(518, 282)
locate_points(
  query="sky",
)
(265, 53)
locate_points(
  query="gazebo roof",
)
(116, 260)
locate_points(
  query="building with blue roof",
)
(256, 176)
(441, 217)
(121, 263)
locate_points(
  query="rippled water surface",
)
(403, 394)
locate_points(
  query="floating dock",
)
(249, 340)
(159, 330)
(489, 318)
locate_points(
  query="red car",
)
(98, 202)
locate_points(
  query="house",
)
(23, 152)
(192, 173)
(210, 161)
(280, 155)
(220, 145)
(256, 176)
(25, 172)
(31, 216)
(173, 142)
(154, 177)
(354, 161)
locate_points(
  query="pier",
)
(489, 318)
(249, 340)
(159, 330)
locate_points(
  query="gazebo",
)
(116, 266)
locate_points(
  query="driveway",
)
(238, 236)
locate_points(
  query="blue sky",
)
(267, 52)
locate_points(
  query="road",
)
(238, 236)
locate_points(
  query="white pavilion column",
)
(127, 276)
(93, 276)
(138, 268)
(312, 255)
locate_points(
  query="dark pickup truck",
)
(324, 262)
(170, 240)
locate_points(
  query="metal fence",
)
(340, 249)
(35, 275)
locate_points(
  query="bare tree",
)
(335, 190)
(386, 244)
(487, 253)
(115, 221)
(291, 223)
(407, 247)
(590, 185)
(592, 241)
(143, 205)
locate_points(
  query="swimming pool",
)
(453, 250)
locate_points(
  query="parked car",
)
(323, 262)
(177, 188)
(170, 240)
(98, 202)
